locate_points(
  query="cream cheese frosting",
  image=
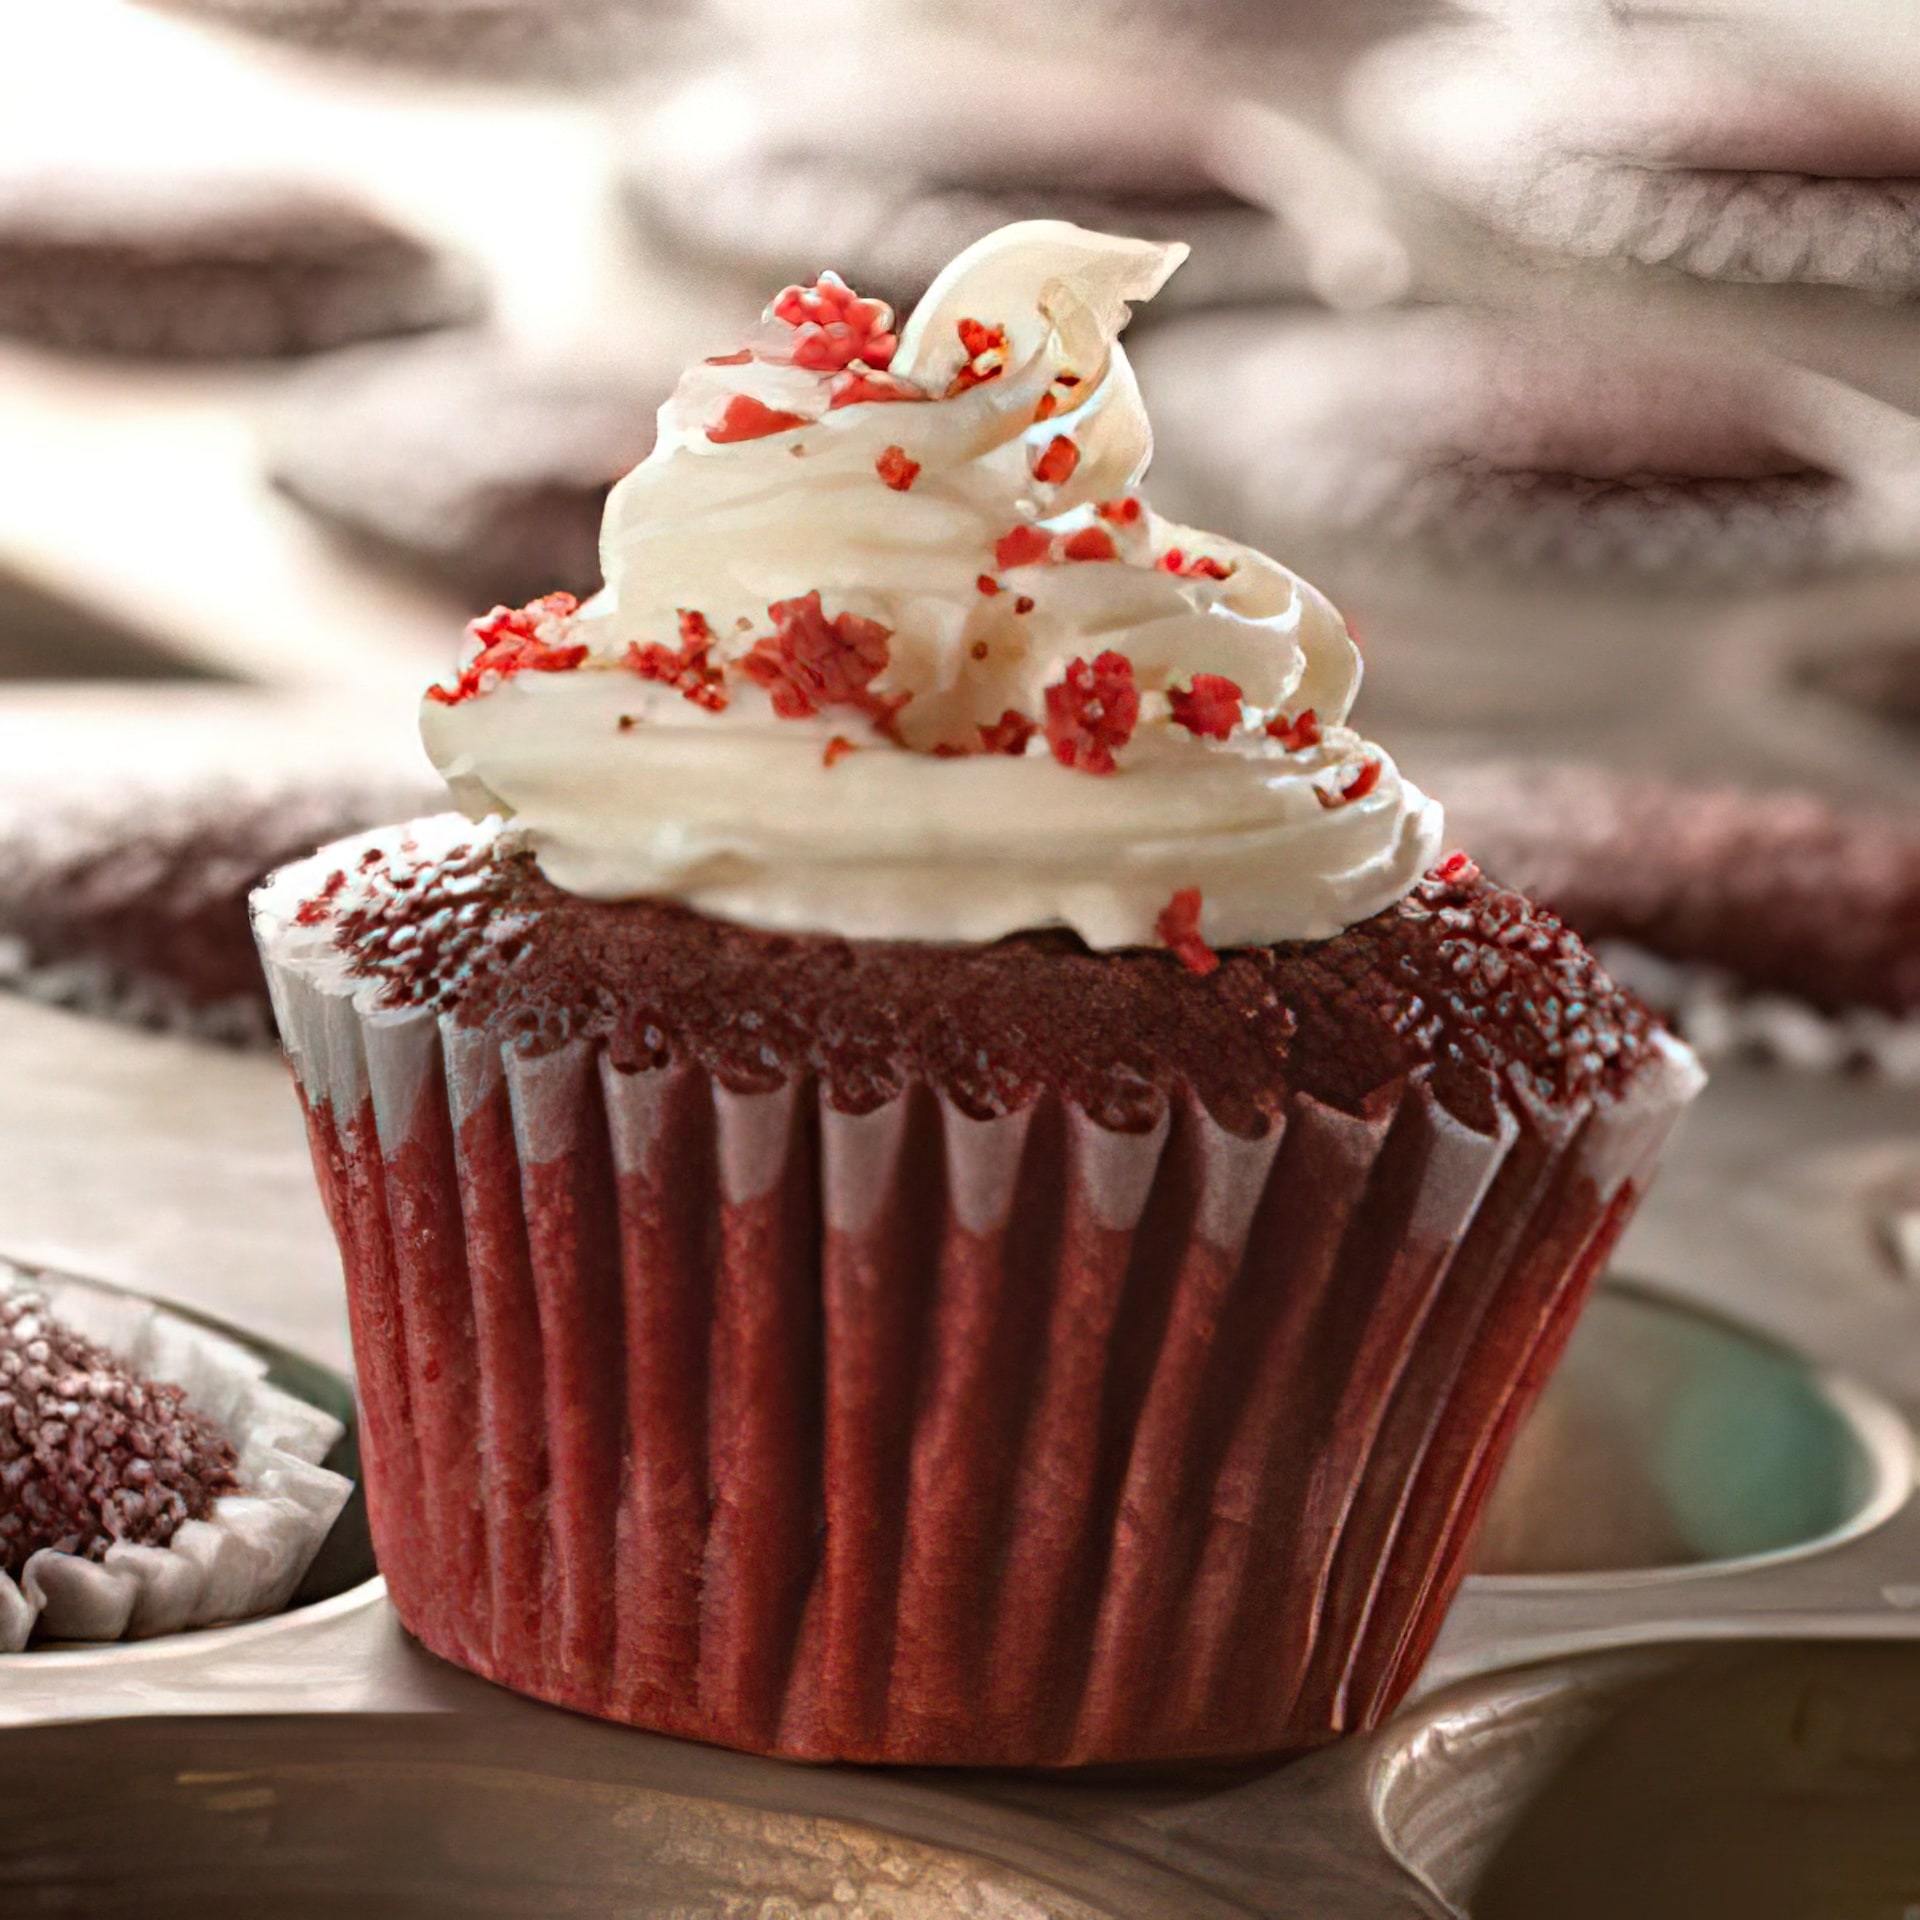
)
(892, 647)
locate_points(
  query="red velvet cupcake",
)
(987, 1212)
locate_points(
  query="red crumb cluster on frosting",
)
(986, 349)
(508, 641)
(1296, 732)
(810, 662)
(746, 418)
(896, 469)
(1209, 705)
(1194, 566)
(688, 668)
(1056, 461)
(1356, 786)
(1028, 545)
(834, 326)
(1092, 712)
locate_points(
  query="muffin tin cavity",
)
(303, 1816)
(1670, 1438)
(1768, 1780)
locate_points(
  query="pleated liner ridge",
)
(912, 1437)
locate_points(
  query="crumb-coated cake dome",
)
(1461, 978)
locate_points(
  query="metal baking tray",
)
(1690, 1659)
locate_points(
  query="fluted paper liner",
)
(247, 1558)
(909, 1436)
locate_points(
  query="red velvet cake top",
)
(1461, 975)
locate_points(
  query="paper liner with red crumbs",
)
(911, 1437)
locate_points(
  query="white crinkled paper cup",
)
(248, 1558)
(912, 1437)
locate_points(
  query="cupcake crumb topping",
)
(1460, 977)
(90, 1454)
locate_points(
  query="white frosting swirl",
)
(624, 787)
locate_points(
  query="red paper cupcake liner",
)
(910, 1437)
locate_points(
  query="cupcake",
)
(1765, 920)
(929, 1169)
(213, 266)
(133, 906)
(151, 1478)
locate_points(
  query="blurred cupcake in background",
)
(1501, 444)
(540, 41)
(155, 1480)
(211, 264)
(475, 462)
(939, 136)
(1745, 141)
(936, 1170)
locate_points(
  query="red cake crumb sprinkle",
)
(1022, 546)
(314, 910)
(860, 388)
(1179, 929)
(1193, 566)
(509, 642)
(896, 469)
(1456, 869)
(1208, 705)
(837, 749)
(1124, 512)
(739, 359)
(1009, 734)
(1090, 543)
(1092, 712)
(809, 662)
(1045, 407)
(749, 419)
(1057, 461)
(987, 584)
(986, 349)
(1024, 604)
(978, 650)
(686, 668)
(1298, 733)
(833, 326)
(627, 722)
(1362, 784)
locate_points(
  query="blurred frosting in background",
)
(1570, 347)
